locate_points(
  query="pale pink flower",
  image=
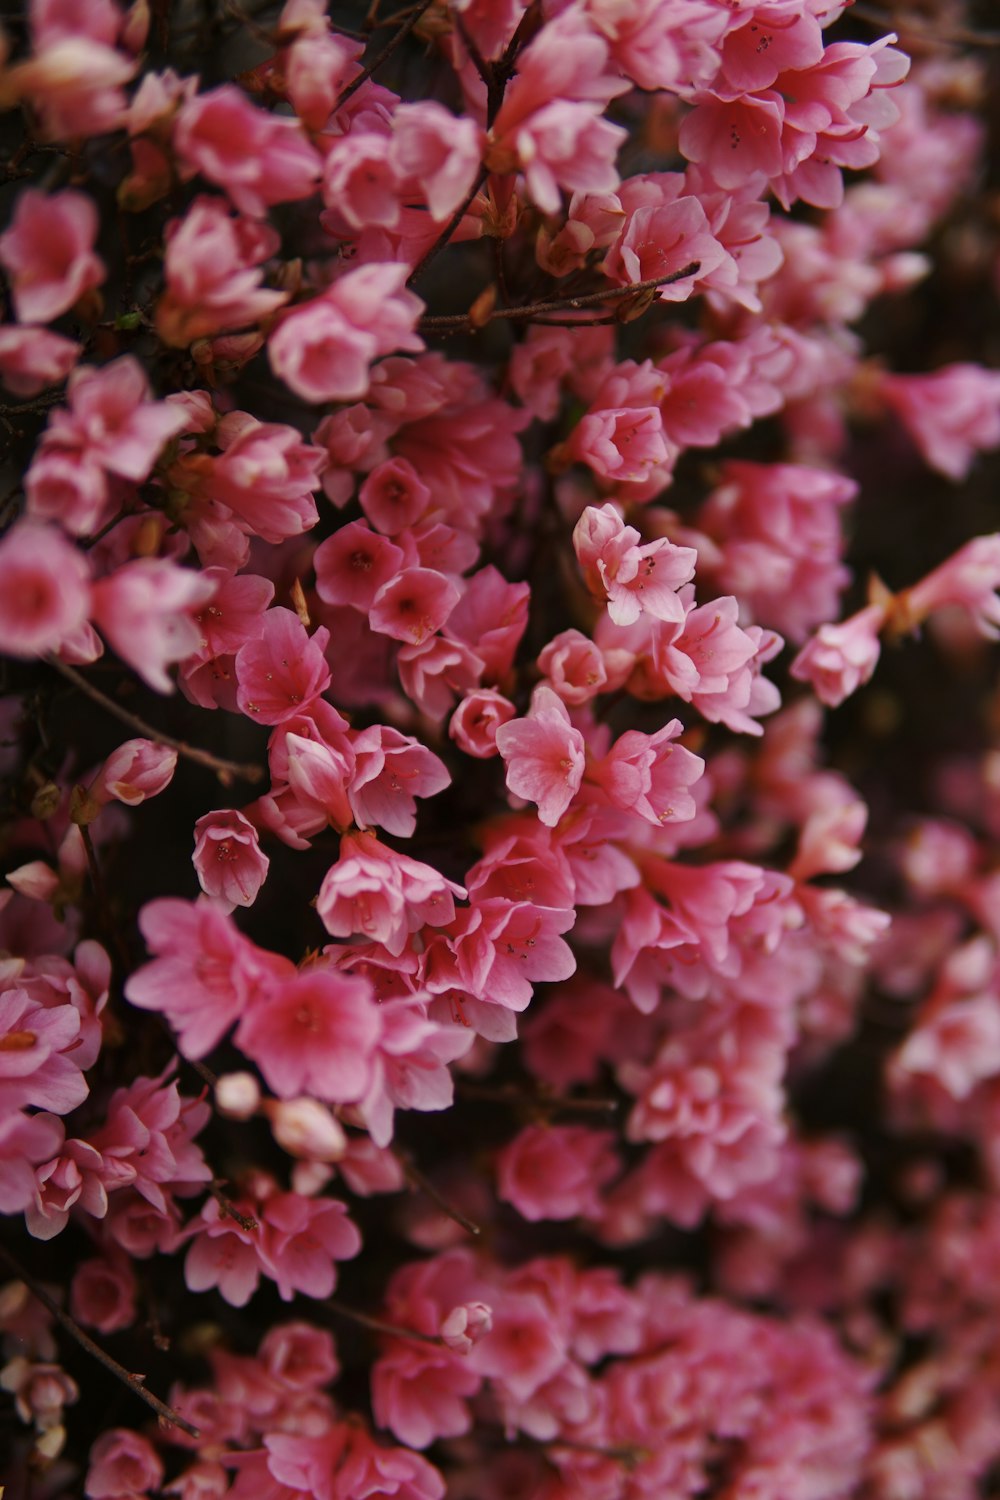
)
(306, 1129)
(957, 1046)
(44, 590)
(31, 359)
(659, 240)
(266, 475)
(213, 275)
(523, 1348)
(146, 611)
(474, 724)
(283, 671)
(361, 181)
(951, 414)
(968, 580)
(113, 420)
(25, 1141)
(382, 896)
(544, 755)
(556, 1171)
(228, 859)
(390, 771)
(353, 564)
(436, 151)
(122, 1463)
(317, 67)
(314, 1033)
(301, 1239)
(739, 141)
(74, 83)
(635, 578)
(69, 486)
(651, 776)
(839, 659)
(491, 617)
(136, 770)
(323, 350)
(258, 158)
(436, 672)
(620, 444)
(48, 253)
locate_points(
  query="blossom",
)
(544, 755)
(839, 658)
(283, 671)
(382, 895)
(45, 593)
(314, 1033)
(951, 414)
(112, 419)
(146, 610)
(228, 859)
(48, 253)
(256, 157)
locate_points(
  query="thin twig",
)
(393, 1330)
(226, 770)
(394, 41)
(449, 228)
(245, 1221)
(417, 1179)
(134, 1382)
(561, 304)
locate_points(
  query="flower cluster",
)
(458, 457)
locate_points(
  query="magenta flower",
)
(314, 1033)
(544, 756)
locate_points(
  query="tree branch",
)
(134, 1382)
(394, 41)
(226, 770)
(558, 304)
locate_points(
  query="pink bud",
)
(237, 1095)
(304, 1127)
(465, 1325)
(136, 770)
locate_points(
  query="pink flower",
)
(122, 1463)
(662, 239)
(136, 770)
(44, 590)
(477, 718)
(465, 1325)
(354, 564)
(436, 151)
(48, 253)
(382, 896)
(391, 770)
(491, 617)
(623, 444)
(73, 81)
(314, 1033)
(112, 419)
(838, 659)
(556, 1171)
(502, 947)
(967, 580)
(393, 496)
(635, 578)
(25, 1141)
(146, 610)
(413, 605)
(544, 755)
(31, 359)
(258, 158)
(323, 350)
(203, 974)
(68, 486)
(737, 140)
(650, 776)
(228, 859)
(301, 1238)
(951, 414)
(103, 1295)
(213, 274)
(282, 672)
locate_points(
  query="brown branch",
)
(449, 228)
(387, 51)
(392, 1330)
(226, 770)
(417, 1180)
(134, 1382)
(561, 304)
(246, 1222)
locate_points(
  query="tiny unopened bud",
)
(83, 808)
(45, 801)
(304, 1127)
(237, 1095)
(465, 1325)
